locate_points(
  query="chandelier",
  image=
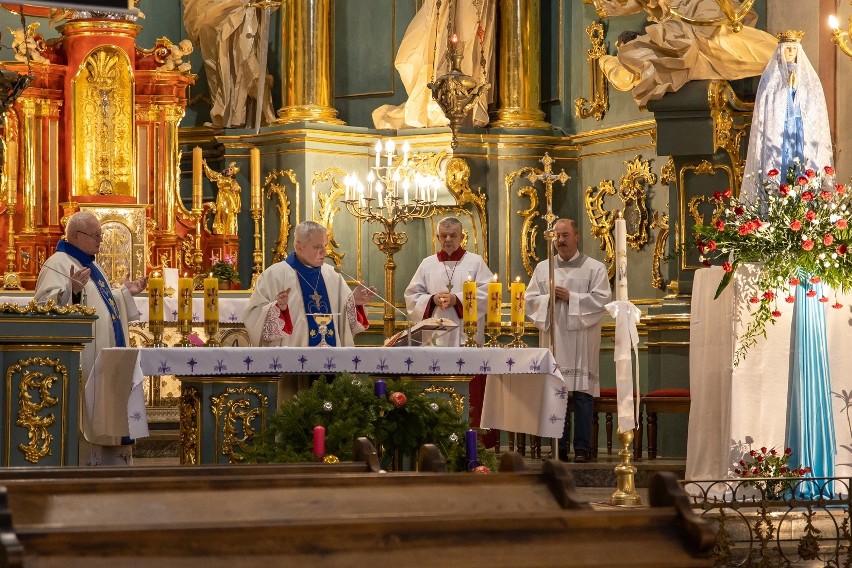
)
(840, 37)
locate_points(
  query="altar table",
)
(525, 391)
(735, 409)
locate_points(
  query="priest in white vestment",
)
(286, 293)
(435, 290)
(582, 290)
(71, 276)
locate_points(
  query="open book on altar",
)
(438, 325)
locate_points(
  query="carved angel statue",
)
(675, 49)
(174, 60)
(26, 46)
(228, 200)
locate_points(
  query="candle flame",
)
(454, 38)
(494, 279)
(517, 278)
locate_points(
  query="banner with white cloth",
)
(626, 317)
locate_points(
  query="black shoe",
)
(563, 454)
(581, 456)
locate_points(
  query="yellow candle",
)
(255, 178)
(495, 300)
(196, 178)
(469, 295)
(517, 290)
(156, 293)
(211, 299)
(185, 299)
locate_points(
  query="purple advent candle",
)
(470, 449)
(381, 388)
(319, 441)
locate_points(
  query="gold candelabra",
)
(841, 37)
(625, 493)
(257, 255)
(11, 279)
(396, 191)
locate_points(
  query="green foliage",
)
(348, 408)
(224, 269)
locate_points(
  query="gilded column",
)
(306, 62)
(519, 95)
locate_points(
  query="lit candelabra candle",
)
(156, 293)
(469, 295)
(211, 299)
(185, 299)
(495, 300)
(255, 178)
(517, 290)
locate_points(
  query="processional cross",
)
(548, 178)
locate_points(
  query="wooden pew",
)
(339, 519)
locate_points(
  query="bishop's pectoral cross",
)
(450, 287)
(316, 298)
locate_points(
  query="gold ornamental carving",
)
(329, 208)
(529, 218)
(122, 254)
(659, 221)
(458, 183)
(273, 185)
(102, 107)
(190, 426)
(456, 398)
(34, 397)
(598, 102)
(236, 414)
(731, 124)
(668, 173)
(632, 190)
(691, 205)
(49, 307)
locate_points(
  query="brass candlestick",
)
(625, 494)
(11, 279)
(211, 328)
(493, 331)
(184, 328)
(470, 332)
(517, 332)
(157, 328)
(257, 255)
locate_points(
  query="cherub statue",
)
(174, 59)
(27, 46)
(228, 201)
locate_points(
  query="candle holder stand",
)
(211, 328)
(493, 331)
(157, 328)
(470, 332)
(184, 328)
(517, 333)
(625, 493)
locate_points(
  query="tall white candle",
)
(620, 259)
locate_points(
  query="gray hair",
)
(80, 221)
(449, 223)
(571, 222)
(303, 231)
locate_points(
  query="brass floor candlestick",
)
(257, 254)
(11, 279)
(625, 494)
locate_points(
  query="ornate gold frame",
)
(232, 411)
(598, 103)
(328, 208)
(272, 187)
(731, 123)
(691, 205)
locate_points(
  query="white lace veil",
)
(767, 126)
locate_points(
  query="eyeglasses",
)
(96, 236)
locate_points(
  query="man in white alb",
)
(582, 290)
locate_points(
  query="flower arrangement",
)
(765, 463)
(225, 268)
(797, 229)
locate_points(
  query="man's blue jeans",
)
(584, 407)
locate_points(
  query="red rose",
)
(814, 280)
(827, 239)
(397, 399)
(823, 299)
(717, 196)
(811, 293)
(772, 173)
(742, 462)
(836, 305)
(754, 299)
(810, 173)
(790, 299)
(841, 189)
(768, 295)
(784, 189)
(842, 223)
(727, 193)
(842, 249)
(808, 469)
(752, 453)
(796, 225)
(737, 471)
(481, 469)
(802, 180)
(810, 215)
(829, 170)
(726, 266)
(788, 451)
(711, 245)
(720, 225)
(706, 262)
(700, 247)
(759, 459)
(773, 451)
(744, 229)
(776, 314)
(807, 195)
(808, 245)
(826, 195)
(739, 210)
(763, 449)
(794, 281)
(783, 469)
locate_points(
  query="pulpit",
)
(40, 357)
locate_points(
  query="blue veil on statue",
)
(790, 124)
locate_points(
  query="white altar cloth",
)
(525, 391)
(735, 409)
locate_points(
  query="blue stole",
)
(88, 261)
(315, 297)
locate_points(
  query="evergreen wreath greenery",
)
(348, 408)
